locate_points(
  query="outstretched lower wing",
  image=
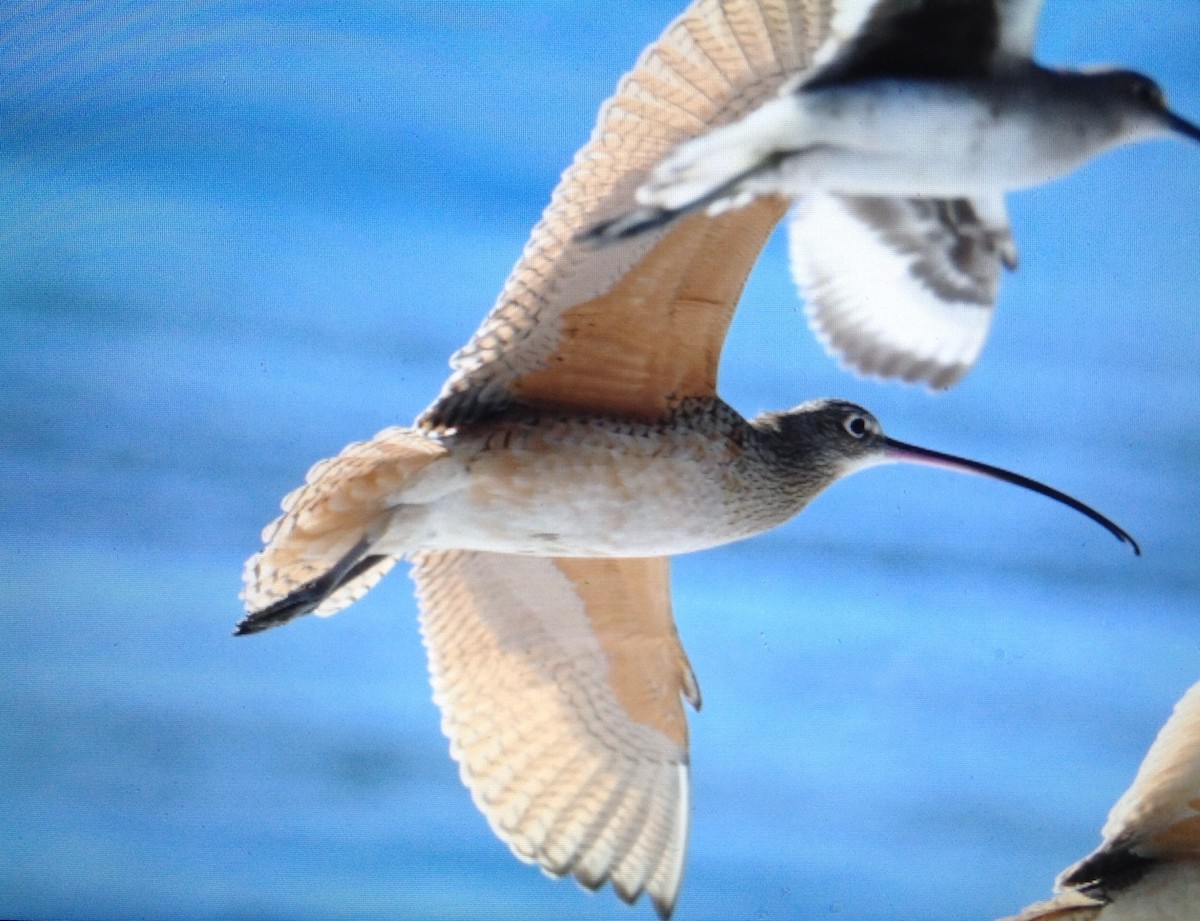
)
(901, 287)
(560, 685)
(631, 327)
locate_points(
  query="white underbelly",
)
(922, 141)
(583, 510)
(618, 497)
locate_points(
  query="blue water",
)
(235, 237)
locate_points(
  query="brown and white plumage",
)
(560, 680)
(323, 519)
(560, 684)
(578, 443)
(1148, 867)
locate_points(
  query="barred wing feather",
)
(560, 685)
(630, 328)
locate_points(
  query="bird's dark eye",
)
(856, 425)
(1147, 91)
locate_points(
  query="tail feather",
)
(318, 555)
(347, 581)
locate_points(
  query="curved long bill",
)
(1180, 125)
(906, 453)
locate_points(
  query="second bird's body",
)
(914, 137)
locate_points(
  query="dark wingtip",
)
(662, 907)
(1112, 868)
(299, 602)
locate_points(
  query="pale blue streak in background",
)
(234, 237)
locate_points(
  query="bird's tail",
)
(710, 172)
(318, 555)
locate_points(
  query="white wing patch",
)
(528, 678)
(900, 288)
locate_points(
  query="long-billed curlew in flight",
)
(577, 445)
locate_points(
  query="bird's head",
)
(1143, 104)
(821, 441)
(834, 437)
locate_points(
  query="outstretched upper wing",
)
(560, 684)
(901, 287)
(628, 328)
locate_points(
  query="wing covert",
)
(560, 684)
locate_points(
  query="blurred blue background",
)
(235, 236)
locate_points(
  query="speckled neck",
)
(796, 453)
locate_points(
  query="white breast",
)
(911, 138)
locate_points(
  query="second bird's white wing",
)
(901, 287)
